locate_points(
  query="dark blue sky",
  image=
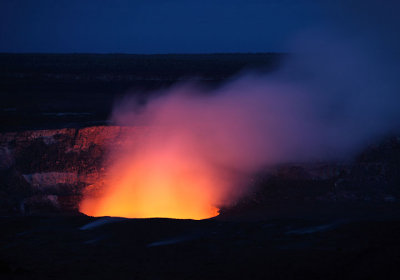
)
(153, 26)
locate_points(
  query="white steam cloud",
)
(334, 94)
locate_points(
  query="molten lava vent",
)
(154, 186)
(149, 176)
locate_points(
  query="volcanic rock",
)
(53, 168)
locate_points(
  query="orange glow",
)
(155, 184)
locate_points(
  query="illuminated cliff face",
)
(79, 167)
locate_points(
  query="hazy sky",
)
(154, 26)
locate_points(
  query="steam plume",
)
(327, 101)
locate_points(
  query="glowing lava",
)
(155, 185)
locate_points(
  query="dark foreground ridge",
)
(65, 247)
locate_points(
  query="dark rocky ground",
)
(326, 220)
(312, 247)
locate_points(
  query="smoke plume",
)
(333, 94)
